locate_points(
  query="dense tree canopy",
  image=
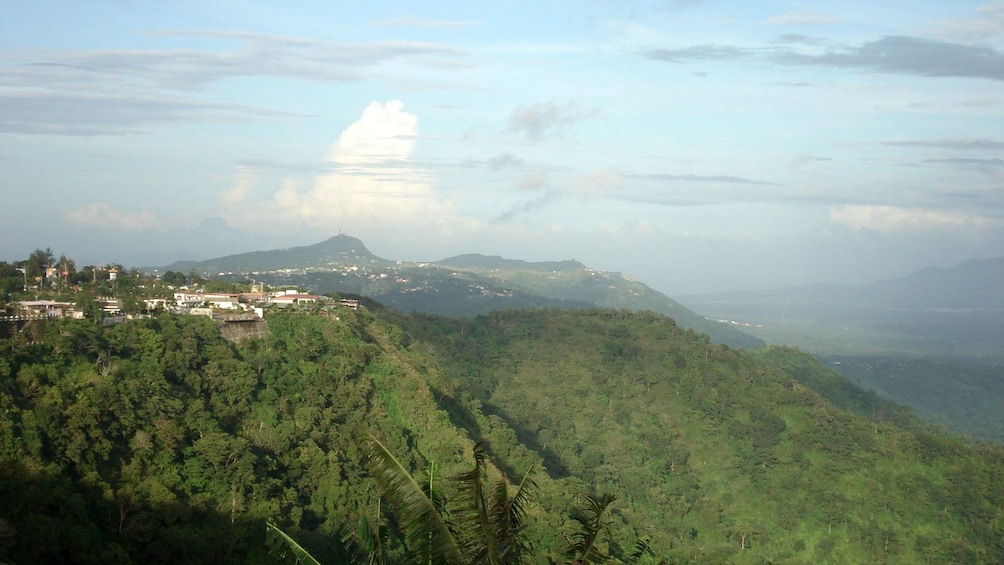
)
(158, 441)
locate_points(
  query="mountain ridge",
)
(973, 283)
(316, 255)
(497, 262)
(461, 286)
(956, 311)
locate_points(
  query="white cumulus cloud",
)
(384, 132)
(373, 175)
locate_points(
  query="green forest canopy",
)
(158, 441)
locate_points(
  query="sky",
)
(695, 145)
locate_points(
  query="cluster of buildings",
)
(39, 309)
(185, 302)
(199, 302)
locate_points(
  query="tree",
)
(173, 278)
(490, 520)
(371, 540)
(67, 266)
(86, 275)
(38, 262)
(88, 304)
(11, 280)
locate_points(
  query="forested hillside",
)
(724, 456)
(158, 441)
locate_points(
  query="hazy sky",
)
(697, 145)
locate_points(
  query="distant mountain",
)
(975, 284)
(930, 340)
(331, 253)
(957, 312)
(573, 281)
(461, 286)
(972, 285)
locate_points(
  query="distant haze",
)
(698, 146)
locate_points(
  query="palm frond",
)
(474, 525)
(425, 531)
(582, 549)
(507, 515)
(369, 541)
(432, 489)
(641, 549)
(280, 544)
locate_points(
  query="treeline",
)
(41, 270)
(158, 441)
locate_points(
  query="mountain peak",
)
(335, 250)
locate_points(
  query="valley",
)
(931, 340)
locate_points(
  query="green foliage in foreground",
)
(485, 526)
(285, 547)
(157, 441)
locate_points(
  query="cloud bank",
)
(124, 91)
(894, 54)
(102, 215)
(897, 219)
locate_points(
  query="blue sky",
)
(696, 145)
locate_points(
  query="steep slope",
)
(719, 455)
(156, 440)
(966, 396)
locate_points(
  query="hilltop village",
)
(40, 288)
